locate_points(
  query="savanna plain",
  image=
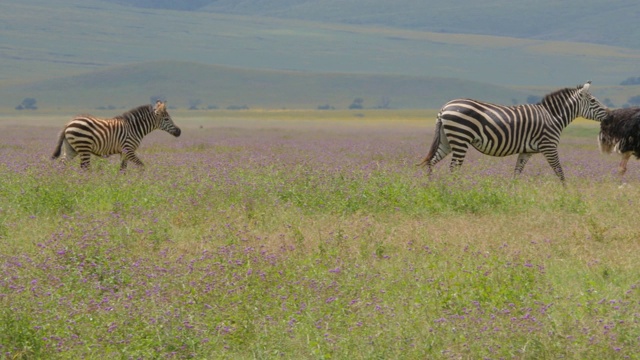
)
(312, 234)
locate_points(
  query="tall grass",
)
(308, 241)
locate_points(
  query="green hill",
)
(98, 53)
(185, 84)
(593, 21)
(74, 36)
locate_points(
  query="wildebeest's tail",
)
(58, 150)
(434, 145)
(606, 143)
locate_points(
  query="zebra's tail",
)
(58, 150)
(434, 145)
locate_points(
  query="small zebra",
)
(620, 133)
(86, 134)
(498, 130)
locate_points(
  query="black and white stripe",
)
(498, 130)
(86, 134)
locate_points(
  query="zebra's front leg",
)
(520, 163)
(554, 161)
(130, 156)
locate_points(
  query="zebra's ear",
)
(585, 88)
(160, 107)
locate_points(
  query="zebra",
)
(498, 130)
(86, 134)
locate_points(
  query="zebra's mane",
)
(556, 93)
(135, 113)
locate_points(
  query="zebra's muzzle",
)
(176, 132)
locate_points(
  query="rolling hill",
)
(97, 53)
(591, 21)
(184, 83)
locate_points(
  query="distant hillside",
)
(165, 4)
(40, 40)
(184, 84)
(595, 21)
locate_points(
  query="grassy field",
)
(312, 234)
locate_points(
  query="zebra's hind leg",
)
(520, 163)
(439, 149)
(554, 161)
(442, 152)
(68, 153)
(459, 151)
(67, 156)
(85, 160)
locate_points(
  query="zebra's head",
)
(166, 123)
(589, 107)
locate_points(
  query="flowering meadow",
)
(296, 235)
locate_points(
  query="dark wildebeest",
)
(620, 133)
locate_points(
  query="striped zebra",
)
(86, 134)
(507, 130)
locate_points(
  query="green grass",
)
(262, 240)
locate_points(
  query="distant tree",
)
(212, 107)
(608, 103)
(193, 104)
(325, 107)
(237, 107)
(27, 104)
(357, 104)
(154, 98)
(384, 103)
(533, 99)
(634, 100)
(188, 5)
(631, 81)
(108, 107)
